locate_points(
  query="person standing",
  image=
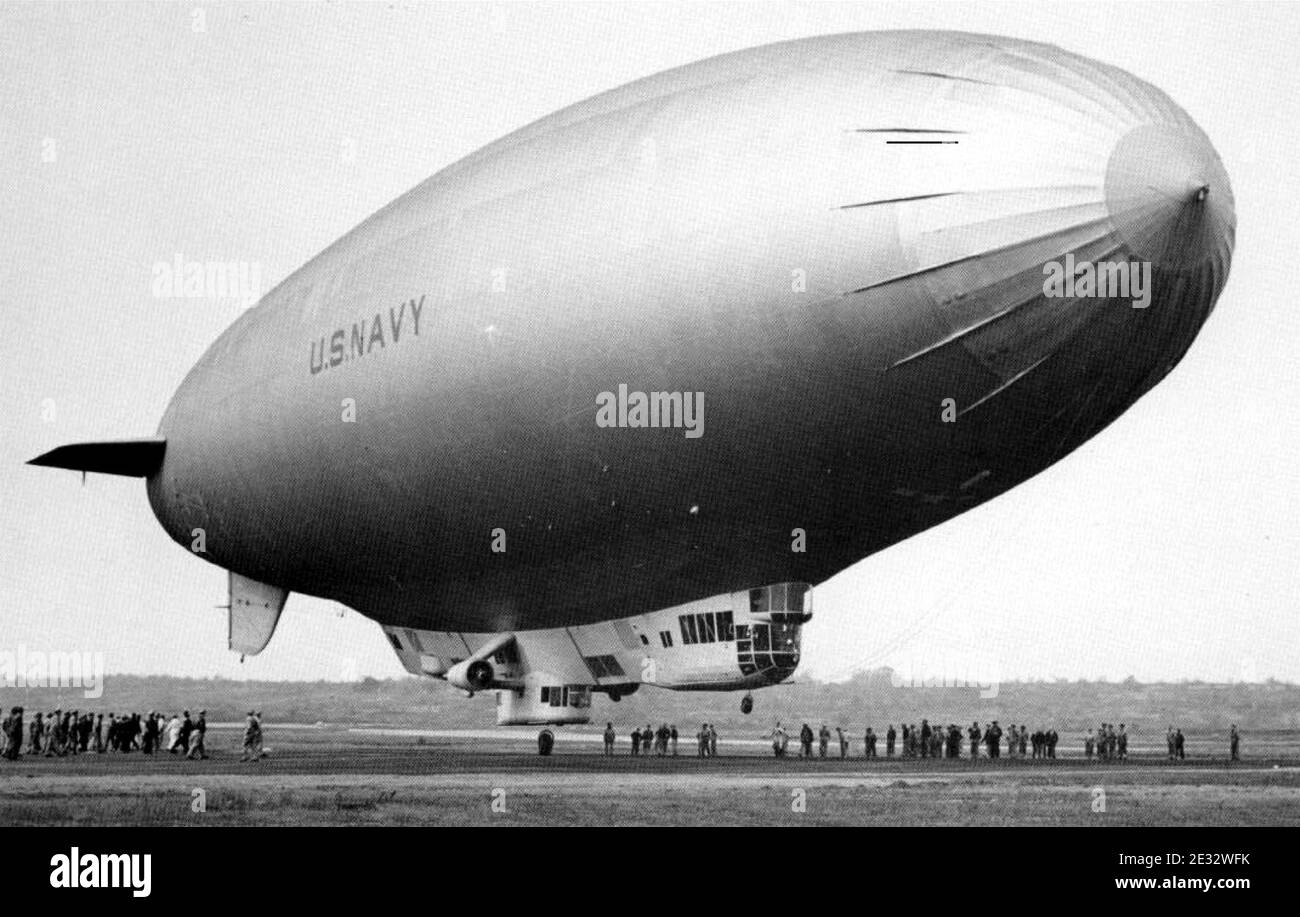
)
(890, 736)
(609, 737)
(173, 734)
(778, 740)
(13, 729)
(672, 733)
(1179, 745)
(35, 732)
(250, 738)
(805, 741)
(54, 745)
(713, 741)
(1234, 743)
(200, 732)
(993, 739)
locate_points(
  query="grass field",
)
(344, 775)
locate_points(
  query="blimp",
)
(600, 405)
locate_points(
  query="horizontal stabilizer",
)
(137, 458)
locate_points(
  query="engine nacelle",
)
(472, 675)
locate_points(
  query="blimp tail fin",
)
(137, 458)
(254, 612)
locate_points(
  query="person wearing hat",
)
(200, 731)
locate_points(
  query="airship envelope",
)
(843, 250)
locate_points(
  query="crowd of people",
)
(663, 741)
(59, 733)
(1107, 743)
(924, 741)
(908, 740)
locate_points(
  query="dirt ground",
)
(337, 775)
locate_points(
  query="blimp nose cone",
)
(1170, 201)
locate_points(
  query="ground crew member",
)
(14, 734)
(251, 727)
(200, 732)
(778, 741)
(36, 730)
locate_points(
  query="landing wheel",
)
(545, 742)
(747, 704)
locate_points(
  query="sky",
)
(1166, 548)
